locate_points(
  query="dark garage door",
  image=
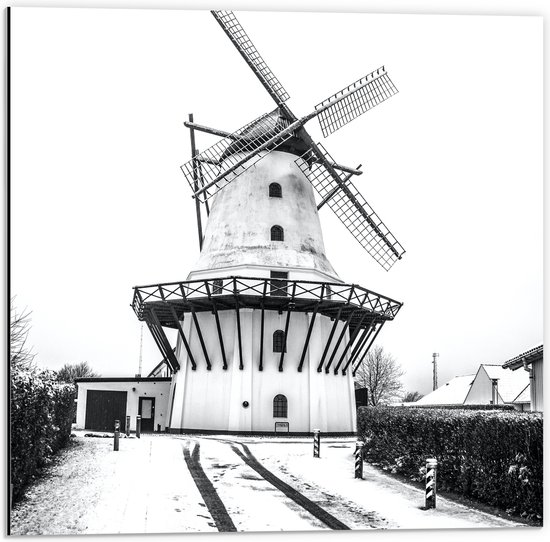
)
(103, 408)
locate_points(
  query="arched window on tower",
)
(275, 190)
(277, 233)
(279, 344)
(280, 406)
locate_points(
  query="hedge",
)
(492, 456)
(41, 414)
(465, 407)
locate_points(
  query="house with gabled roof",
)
(495, 385)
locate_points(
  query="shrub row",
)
(466, 407)
(492, 456)
(41, 413)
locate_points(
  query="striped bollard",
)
(127, 426)
(431, 482)
(138, 426)
(316, 443)
(359, 459)
(117, 435)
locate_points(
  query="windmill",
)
(268, 336)
(211, 170)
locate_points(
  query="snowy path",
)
(163, 483)
(253, 503)
(377, 500)
(148, 489)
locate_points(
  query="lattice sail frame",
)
(371, 90)
(349, 205)
(244, 141)
(212, 170)
(252, 57)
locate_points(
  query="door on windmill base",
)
(146, 409)
(103, 407)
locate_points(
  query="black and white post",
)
(316, 443)
(431, 482)
(127, 426)
(359, 459)
(138, 426)
(117, 435)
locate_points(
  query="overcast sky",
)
(453, 166)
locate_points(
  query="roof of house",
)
(510, 384)
(528, 357)
(451, 393)
(524, 396)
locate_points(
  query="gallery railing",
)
(362, 311)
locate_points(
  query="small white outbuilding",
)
(101, 401)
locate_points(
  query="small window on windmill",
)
(278, 283)
(280, 406)
(328, 292)
(275, 190)
(279, 343)
(277, 233)
(217, 287)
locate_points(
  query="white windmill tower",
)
(269, 336)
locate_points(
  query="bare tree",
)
(412, 396)
(21, 354)
(381, 375)
(71, 371)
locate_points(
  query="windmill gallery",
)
(268, 336)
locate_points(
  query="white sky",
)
(453, 165)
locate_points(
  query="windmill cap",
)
(262, 129)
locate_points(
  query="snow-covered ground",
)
(394, 504)
(147, 487)
(252, 502)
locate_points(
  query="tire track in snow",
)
(314, 509)
(215, 506)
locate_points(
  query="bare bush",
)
(21, 354)
(381, 375)
(71, 371)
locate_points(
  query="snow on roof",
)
(510, 383)
(452, 393)
(524, 396)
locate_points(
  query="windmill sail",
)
(228, 158)
(252, 57)
(351, 208)
(354, 100)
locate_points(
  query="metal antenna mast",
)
(435, 356)
(140, 350)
